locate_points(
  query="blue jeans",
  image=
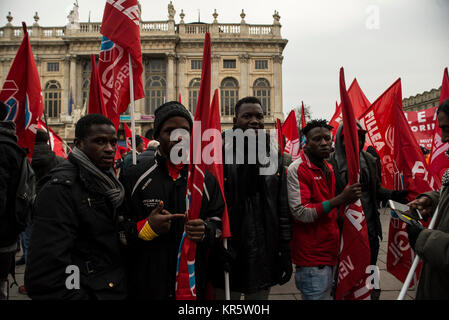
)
(25, 242)
(315, 283)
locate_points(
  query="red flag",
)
(413, 175)
(23, 95)
(179, 98)
(146, 141)
(290, 131)
(185, 275)
(121, 36)
(359, 103)
(128, 135)
(278, 127)
(354, 248)
(439, 162)
(422, 124)
(56, 143)
(96, 103)
(378, 121)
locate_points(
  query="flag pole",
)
(131, 98)
(48, 130)
(226, 275)
(415, 262)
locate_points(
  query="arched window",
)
(229, 91)
(155, 84)
(52, 96)
(86, 82)
(261, 90)
(194, 89)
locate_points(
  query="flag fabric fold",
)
(354, 247)
(96, 103)
(22, 94)
(56, 143)
(291, 134)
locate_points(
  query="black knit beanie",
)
(169, 110)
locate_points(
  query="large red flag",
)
(290, 131)
(412, 174)
(185, 274)
(439, 162)
(378, 121)
(303, 116)
(96, 103)
(121, 36)
(56, 143)
(422, 123)
(354, 248)
(128, 135)
(23, 95)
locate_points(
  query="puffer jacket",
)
(74, 225)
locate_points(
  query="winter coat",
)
(432, 246)
(11, 158)
(260, 225)
(151, 265)
(74, 225)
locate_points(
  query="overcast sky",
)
(376, 41)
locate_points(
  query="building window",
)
(194, 89)
(52, 96)
(229, 64)
(155, 85)
(196, 64)
(261, 64)
(86, 83)
(229, 91)
(261, 90)
(53, 66)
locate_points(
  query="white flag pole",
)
(415, 263)
(131, 101)
(226, 275)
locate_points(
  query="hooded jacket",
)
(11, 158)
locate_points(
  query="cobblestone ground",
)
(390, 286)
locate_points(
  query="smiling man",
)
(74, 247)
(312, 201)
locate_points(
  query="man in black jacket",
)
(11, 159)
(75, 248)
(154, 213)
(259, 254)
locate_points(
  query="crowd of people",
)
(122, 231)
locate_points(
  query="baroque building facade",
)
(246, 61)
(422, 101)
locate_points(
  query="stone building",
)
(421, 101)
(246, 60)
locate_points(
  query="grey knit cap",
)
(169, 110)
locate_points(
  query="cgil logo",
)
(132, 12)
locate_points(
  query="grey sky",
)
(409, 40)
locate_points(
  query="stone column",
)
(181, 67)
(72, 81)
(277, 86)
(215, 71)
(171, 94)
(244, 76)
(65, 94)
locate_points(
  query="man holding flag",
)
(155, 212)
(313, 204)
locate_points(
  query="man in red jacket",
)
(313, 204)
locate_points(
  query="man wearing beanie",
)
(154, 212)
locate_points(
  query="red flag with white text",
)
(185, 273)
(439, 162)
(56, 143)
(423, 124)
(121, 37)
(291, 134)
(413, 175)
(378, 121)
(354, 246)
(22, 94)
